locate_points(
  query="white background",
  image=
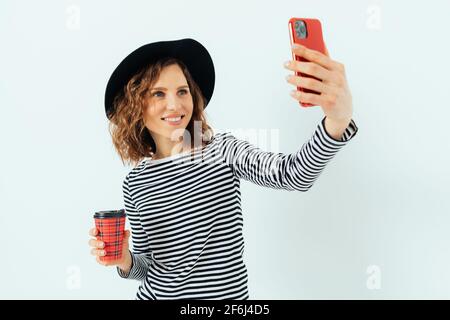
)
(379, 213)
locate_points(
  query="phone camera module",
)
(300, 29)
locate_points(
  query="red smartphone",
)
(306, 32)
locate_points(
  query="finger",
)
(310, 83)
(126, 236)
(311, 69)
(93, 232)
(97, 252)
(307, 97)
(104, 263)
(315, 56)
(96, 243)
(126, 240)
(326, 50)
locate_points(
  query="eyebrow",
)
(162, 88)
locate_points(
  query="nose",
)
(173, 102)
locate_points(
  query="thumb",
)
(326, 50)
(127, 235)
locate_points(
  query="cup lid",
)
(110, 214)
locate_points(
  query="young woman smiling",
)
(182, 198)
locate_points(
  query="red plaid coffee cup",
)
(111, 229)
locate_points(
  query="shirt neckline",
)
(172, 157)
(149, 161)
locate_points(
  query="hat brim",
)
(191, 52)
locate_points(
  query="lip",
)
(172, 123)
(173, 115)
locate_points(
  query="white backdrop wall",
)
(374, 225)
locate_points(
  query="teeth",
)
(173, 119)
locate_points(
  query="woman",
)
(182, 197)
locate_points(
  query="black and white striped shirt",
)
(185, 212)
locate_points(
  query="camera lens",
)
(300, 28)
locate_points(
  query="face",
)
(168, 99)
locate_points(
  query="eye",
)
(182, 90)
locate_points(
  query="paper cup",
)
(111, 229)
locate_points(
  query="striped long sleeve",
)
(186, 216)
(293, 172)
(141, 254)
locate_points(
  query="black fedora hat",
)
(191, 52)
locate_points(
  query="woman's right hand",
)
(124, 263)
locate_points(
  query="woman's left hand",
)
(335, 98)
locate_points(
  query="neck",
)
(165, 147)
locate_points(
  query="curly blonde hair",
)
(131, 138)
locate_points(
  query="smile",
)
(173, 121)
